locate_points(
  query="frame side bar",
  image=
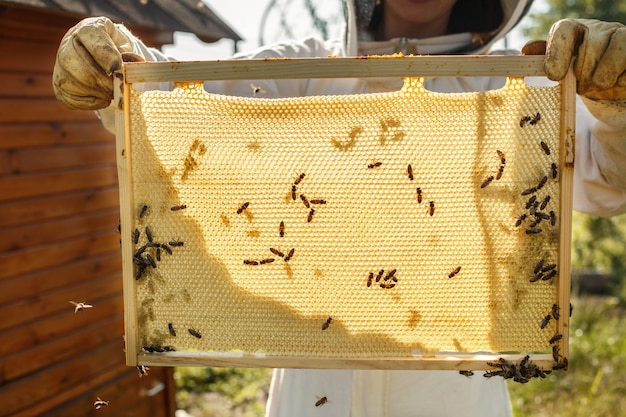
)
(359, 67)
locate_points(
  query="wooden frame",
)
(440, 66)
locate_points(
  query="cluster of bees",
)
(389, 281)
(521, 372)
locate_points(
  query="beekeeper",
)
(92, 50)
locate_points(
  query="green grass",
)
(594, 385)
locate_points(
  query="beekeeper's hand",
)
(87, 56)
(598, 50)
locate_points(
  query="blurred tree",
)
(540, 21)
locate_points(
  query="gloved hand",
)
(599, 53)
(87, 56)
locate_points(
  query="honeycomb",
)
(373, 225)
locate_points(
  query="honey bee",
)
(374, 165)
(166, 248)
(299, 178)
(80, 306)
(546, 321)
(390, 275)
(175, 243)
(520, 219)
(531, 201)
(148, 234)
(545, 147)
(537, 277)
(281, 229)
(250, 262)
(143, 370)
(321, 402)
(539, 265)
(487, 181)
(387, 286)
(529, 191)
(277, 252)
(542, 182)
(256, 90)
(136, 234)
(180, 207)
(369, 279)
(100, 403)
(143, 211)
(293, 192)
(380, 275)
(556, 353)
(524, 120)
(158, 254)
(327, 323)
(555, 311)
(305, 201)
(548, 268)
(243, 207)
(409, 171)
(310, 216)
(500, 172)
(554, 170)
(552, 218)
(453, 273)
(466, 373)
(560, 365)
(171, 329)
(544, 203)
(317, 201)
(150, 261)
(501, 156)
(290, 254)
(140, 270)
(431, 209)
(555, 338)
(194, 333)
(419, 195)
(549, 275)
(534, 231)
(535, 119)
(266, 261)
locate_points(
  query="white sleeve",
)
(600, 164)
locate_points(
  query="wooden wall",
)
(59, 243)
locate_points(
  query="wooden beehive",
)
(401, 230)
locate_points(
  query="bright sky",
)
(245, 17)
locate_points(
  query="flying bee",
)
(143, 211)
(305, 201)
(243, 207)
(409, 171)
(299, 178)
(100, 403)
(321, 402)
(555, 338)
(546, 321)
(281, 229)
(290, 254)
(554, 170)
(266, 261)
(555, 311)
(431, 208)
(466, 373)
(453, 273)
(250, 262)
(256, 90)
(194, 333)
(327, 323)
(380, 275)
(143, 370)
(374, 165)
(277, 252)
(171, 329)
(80, 306)
(175, 243)
(524, 120)
(487, 181)
(419, 195)
(180, 207)
(309, 218)
(501, 156)
(520, 219)
(542, 182)
(545, 147)
(148, 234)
(500, 172)
(535, 119)
(136, 235)
(545, 202)
(369, 279)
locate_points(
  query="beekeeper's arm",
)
(598, 52)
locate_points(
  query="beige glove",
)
(87, 56)
(599, 53)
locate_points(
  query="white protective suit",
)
(600, 185)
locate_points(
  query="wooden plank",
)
(37, 110)
(41, 233)
(34, 185)
(53, 278)
(26, 85)
(38, 386)
(44, 208)
(41, 25)
(359, 67)
(42, 257)
(59, 350)
(31, 334)
(18, 56)
(16, 135)
(32, 160)
(52, 303)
